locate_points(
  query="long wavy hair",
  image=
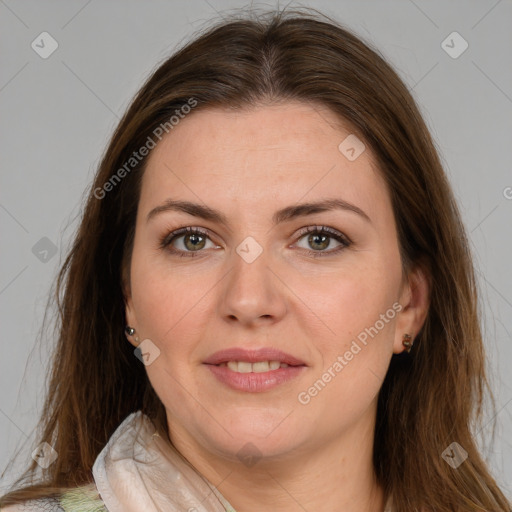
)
(430, 397)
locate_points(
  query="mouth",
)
(261, 360)
(257, 367)
(254, 371)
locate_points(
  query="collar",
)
(138, 470)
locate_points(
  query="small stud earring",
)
(131, 331)
(406, 342)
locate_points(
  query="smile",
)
(259, 367)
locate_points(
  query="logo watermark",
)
(454, 455)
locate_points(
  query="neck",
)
(336, 476)
(318, 483)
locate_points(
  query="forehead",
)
(282, 154)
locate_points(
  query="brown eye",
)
(318, 241)
(194, 241)
(186, 241)
(319, 238)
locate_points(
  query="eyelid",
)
(324, 229)
(176, 233)
(341, 238)
(165, 242)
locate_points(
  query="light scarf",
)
(138, 470)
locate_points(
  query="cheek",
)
(172, 310)
(161, 294)
(354, 299)
(353, 361)
(360, 312)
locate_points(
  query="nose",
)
(252, 292)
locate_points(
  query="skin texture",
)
(248, 164)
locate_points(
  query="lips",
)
(253, 356)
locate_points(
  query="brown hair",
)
(430, 397)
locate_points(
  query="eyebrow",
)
(283, 215)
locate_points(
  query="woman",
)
(270, 302)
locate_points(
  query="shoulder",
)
(38, 505)
(82, 498)
(79, 499)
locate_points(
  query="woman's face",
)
(257, 280)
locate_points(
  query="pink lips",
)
(253, 356)
(254, 382)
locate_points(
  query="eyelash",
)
(165, 242)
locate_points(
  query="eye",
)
(186, 241)
(319, 238)
(191, 240)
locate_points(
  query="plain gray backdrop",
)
(58, 112)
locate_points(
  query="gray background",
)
(58, 113)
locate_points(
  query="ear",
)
(415, 302)
(130, 316)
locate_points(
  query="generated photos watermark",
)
(305, 397)
(137, 156)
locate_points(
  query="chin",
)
(250, 435)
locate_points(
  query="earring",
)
(130, 331)
(406, 342)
